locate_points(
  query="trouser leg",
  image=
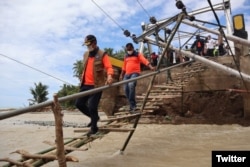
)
(81, 103)
(131, 87)
(94, 100)
(130, 90)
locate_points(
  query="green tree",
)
(109, 51)
(39, 93)
(65, 91)
(77, 69)
(120, 54)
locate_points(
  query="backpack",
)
(198, 44)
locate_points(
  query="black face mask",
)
(94, 52)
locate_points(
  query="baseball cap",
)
(129, 46)
(89, 39)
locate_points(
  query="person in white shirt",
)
(210, 44)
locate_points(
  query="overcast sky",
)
(47, 35)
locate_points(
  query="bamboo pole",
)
(130, 134)
(121, 118)
(49, 157)
(17, 163)
(59, 132)
(66, 147)
(106, 129)
(239, 90)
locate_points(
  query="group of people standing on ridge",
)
(208, 46)
(95, 64)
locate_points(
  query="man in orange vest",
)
(95, 61)
(131, 69)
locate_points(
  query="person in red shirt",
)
(154, 58)
(95, 61)
(131, 69)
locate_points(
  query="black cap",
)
(89, 40)
(129, 45)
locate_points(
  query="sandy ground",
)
(151, 144)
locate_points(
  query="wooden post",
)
(59, 132)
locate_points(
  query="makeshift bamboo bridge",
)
(118, 123)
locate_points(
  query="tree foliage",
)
(118, 54)
(65, 91)
(39, 93)
(77, 69)
(109, 51)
